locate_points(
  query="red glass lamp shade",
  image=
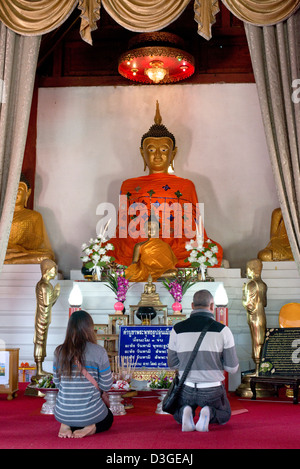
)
(156, 60)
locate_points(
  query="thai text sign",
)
(281, 352)
(146, 345)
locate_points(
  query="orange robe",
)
(156, 257)
(158, 191)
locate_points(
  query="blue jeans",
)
(215, 398)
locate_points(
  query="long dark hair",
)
(80, 330)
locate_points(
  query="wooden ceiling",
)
(66, 60)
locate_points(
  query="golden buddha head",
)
(23, 193)
(48, 268)
(254, 268)
(153, 227)
(158, 147)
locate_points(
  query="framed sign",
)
(281, 352)
(147, 345)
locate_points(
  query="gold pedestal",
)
(32, 390)
(262, 390)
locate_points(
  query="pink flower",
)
(123, 285)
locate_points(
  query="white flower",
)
(88, 251)
(96, 257)
(213, 261)
(189, 246)
(105, 259)
(102, 251)
(214, 249)
(84, 246)
(208, 254)
(85, 258)
(202, 259)
(193, 256)
(91, 241)
(101, 238)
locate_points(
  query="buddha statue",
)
(279, 248)
(150, 297)
(46, 297)
(172, 199)
(254, 300)
(151, 257)
(28, 241)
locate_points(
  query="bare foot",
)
(65, 431)
(86, 431)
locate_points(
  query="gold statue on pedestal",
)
(150, 297)
(46, 297)
(279, 248)
(28, 241)
(254, 300)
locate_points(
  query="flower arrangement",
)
(163, 381)
(203, 252)
(122, 371)
(119, 285)
(45, 382)
(95, 254)
(202, 255)
(179, 285)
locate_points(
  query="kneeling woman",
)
(80, 407)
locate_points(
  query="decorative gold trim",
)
(148, 374)
(152, 51)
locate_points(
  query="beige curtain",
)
(262, 12)
(153, 15)
(38, 17)
(145, 15)
(18, 59)
(275, 53)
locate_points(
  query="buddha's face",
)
(22, 195)
(253, 270)
(158, 154)
(153, 229)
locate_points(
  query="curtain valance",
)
(262, 12)
(29, 18)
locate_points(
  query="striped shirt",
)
(78, 402)
(216, 354)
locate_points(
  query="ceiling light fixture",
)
(157, 58)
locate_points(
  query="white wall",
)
(88, 142)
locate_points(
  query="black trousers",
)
(102, 426)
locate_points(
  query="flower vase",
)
(201, 274)
(50, 398)
(177, 307)
(119, 306)
(97, 273)
(162, 394)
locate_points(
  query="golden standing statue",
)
(254, 301)
(28, 240)
(46, 297)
